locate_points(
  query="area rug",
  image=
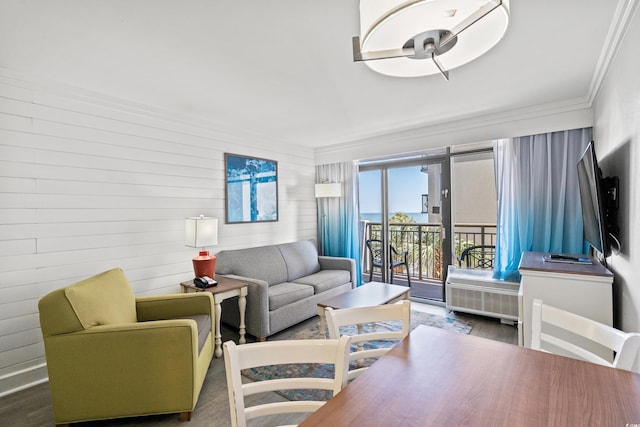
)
(326, 370)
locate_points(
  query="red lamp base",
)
(204, 265)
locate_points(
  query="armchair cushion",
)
(203, 323)
(105, 299)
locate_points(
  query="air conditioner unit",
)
(477, 292)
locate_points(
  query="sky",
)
(406, 187)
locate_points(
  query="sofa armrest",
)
(171, 306)
(257, 315)
(116, 366)
(260, 285)
(339, 263)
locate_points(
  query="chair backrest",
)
(375, 250)
(547, 321)
(361, 339)
(246, 356)
(479, 256)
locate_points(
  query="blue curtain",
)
(538, 197)
(340, 214)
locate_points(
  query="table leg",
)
(360, 362)
(218, 334)
(323, 322)
(242, 305)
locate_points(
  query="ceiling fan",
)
(429, 44)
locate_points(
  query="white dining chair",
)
(624, 346)
(360, 316)
(246, 356)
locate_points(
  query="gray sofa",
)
(285, 283)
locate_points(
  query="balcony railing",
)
(423, 243)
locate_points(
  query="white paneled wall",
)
(87, 185)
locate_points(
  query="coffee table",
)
(367, 295)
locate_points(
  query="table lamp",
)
(201, 232)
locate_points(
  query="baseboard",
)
(23, 379)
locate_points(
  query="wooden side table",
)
(226, 288)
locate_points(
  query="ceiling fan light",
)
(387, 25)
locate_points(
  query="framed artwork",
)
(251, 189)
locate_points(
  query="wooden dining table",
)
(435, 377)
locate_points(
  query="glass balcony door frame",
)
(442, 159)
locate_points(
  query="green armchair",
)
(112, 355)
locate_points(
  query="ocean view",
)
(418, 217)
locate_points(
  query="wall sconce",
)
(329, 189)
(200, 232)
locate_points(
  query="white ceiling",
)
(283, 68)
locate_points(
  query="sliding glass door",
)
(474, 209)
(405, 206)
(432, 207)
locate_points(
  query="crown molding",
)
(622, 17)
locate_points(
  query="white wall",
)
(87, 185)
(616, 136)
(472, 186)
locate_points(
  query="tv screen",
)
(592, 201)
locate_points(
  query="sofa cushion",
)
(104, 299)
(325, 279)
(287, 293)
(264, 263)
(301, 259)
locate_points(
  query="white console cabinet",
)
(584, 289)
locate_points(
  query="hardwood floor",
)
(32, 407)
(484, 327)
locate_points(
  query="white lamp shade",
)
(201, 231)
(329, 189)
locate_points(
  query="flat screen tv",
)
(595, 198)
